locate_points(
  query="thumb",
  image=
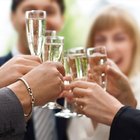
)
(112, 72)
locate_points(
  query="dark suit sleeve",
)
(12, 123)
(126, 125)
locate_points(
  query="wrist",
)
(21, 92)
(114, 111)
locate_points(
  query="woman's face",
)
(119, 46)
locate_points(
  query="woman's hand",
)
(118, 85)
(90, 99)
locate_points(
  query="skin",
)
(117, 85)
(96, 103)
(16, 68)
(49, 73)
(54, 19)
(117, 41)
(116, 82)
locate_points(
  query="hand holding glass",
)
(53, 51)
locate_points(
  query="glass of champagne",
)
(67, 111)
(78, 65)
(35, 29)
(97, 58)
(53, 51)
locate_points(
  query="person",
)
(55, 17)
(117, 30)
(94, 102)
(18, 98)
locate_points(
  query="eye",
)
(119, 38)
(99, 40)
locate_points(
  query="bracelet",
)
(31, 95)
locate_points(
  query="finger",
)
(112, 64)
(25, 69)
(67, 94)
(113, 72)
(61, 85)
(30, 57)
(67, 78)
(99, 69)
(27, 62)
(79, 92)
(81, 84)
(61, 77)
(79, 105)
(79, 101)
(59, 67)
(67, 87)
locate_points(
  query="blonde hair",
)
(109, 18)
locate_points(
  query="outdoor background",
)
(79, 14)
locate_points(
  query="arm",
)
(15, 99)
(119, 86)
(126, 125)
(12, 121)
(91, 100)
(16, 68)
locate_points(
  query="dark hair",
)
(16, 3)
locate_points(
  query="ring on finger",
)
(75, 103)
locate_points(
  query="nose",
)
(111, 49)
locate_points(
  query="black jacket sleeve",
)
(126, 125)
(12, 122)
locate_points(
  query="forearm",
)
(128, 99)
(11, 119)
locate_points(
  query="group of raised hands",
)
(47, 83)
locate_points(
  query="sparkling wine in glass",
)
(53, 51)
(78, 62)
(35, 29)
(67, 111)
(78, 65)
(97, 58)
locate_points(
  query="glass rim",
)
(96, 47)
(34, 11)
(54, 37)
(76, 50)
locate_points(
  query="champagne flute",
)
(35, 29)
(78, 65)
(97, 58)
(53, 51)
(66, 112)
